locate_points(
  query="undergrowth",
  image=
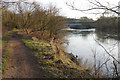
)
(55, 63)
(5, 56)
(4, 37)
(5, 42)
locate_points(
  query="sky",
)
(81, 4)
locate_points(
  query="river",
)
(81, 43)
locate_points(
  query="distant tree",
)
(25, 19)
(8, 19)
(107, 24)
(86, 19)
(106, 9)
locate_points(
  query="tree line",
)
(107, 24)
(33, 19)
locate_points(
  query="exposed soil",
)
(21, 62)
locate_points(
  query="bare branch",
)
(96, 6)
(106, 51)
(103, 64)
(115, 67)
(113, 47)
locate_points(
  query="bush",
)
(34, 20)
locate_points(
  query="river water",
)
(81, 43)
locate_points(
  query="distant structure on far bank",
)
(78, 24)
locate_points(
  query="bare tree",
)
(96, 5)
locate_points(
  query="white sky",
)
(82, 4)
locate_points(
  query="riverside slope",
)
(40, 59)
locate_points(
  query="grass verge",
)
(55, 63)
(5, 43)
(5, 56)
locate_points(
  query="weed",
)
(51, 63)
(5, 56)
(5, 35)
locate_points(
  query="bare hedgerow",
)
(33, 19)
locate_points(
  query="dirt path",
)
(21, 63)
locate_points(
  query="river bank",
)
(51, 60)
(54, 61)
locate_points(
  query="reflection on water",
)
(82, 44)
(103, 36)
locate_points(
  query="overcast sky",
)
(82, 4)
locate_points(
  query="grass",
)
(41, 46)
(4, 37)
(5, 56)
(6, 34)
(0, 43)
(52, 63)
(0, 52)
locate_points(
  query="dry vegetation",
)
(34, 20)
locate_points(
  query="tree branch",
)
(97, 6)
(106, 51)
